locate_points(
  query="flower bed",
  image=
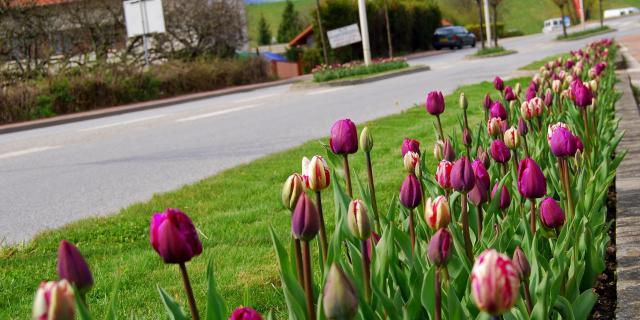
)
(323, 73)
(468, 239)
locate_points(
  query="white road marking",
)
(218, 113)
(122, 123)
(26, 151)
(256, 98)
(325, 91)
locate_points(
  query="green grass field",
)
(233, 211)
(272, 13)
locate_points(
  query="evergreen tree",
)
(290, 25)
(264, 32)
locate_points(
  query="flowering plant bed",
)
(491, 52)
(324, 73)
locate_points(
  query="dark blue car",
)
(453, 37)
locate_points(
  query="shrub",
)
(310, 59)
(333, 72)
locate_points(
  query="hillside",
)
(272, 12)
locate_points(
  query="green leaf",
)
(428, 291)
(216, 307)
(583, 305)
(563, 307)
(173, 308)
(455, 308)
(113, 304)
(81, 308)
(293, 292)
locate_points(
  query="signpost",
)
(144, 17)
(344, 36)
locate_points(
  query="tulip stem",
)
(372, 189)
(526, 146)
(586, 128)
(567, 178)
(323, 232)
(465, 227)
(347, 175)
(308, 286)
(438, 295)
(532, 218)
(187, 288)
(298, 249)
(440, 128)
(527, 296)
(366, 271)
(480, 218)
(412, 232)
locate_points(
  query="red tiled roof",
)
(302, 36)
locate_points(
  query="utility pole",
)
(321, 30)
(364, 29)
(487, 21)
(582, 18)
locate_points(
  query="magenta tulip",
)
(410, 145)
(498, 84)
(505, 197)
(487, 101)
(72, 266)
(174, 237)
(500, 152)
(411, 192)
(435, 103)
(531, 181)
(344, 137)
(305, 221)
(448, 152)
(498, 111)
(245, 313)
(462, 176)
(440, 247)
(523, 129)
(551, 214)
(562, 143)
(579, 145)
(582, 94)
(530, 93)
(508, 94)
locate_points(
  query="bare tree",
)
(494, 5)
(561, 4)
(479, 4)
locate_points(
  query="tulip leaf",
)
(81, 307)
(172, 307)
(583, 305)
(563, 307)
(216, 307)
(428, 291)
(294, 295)
(453, 305)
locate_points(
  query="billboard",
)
(344, 36)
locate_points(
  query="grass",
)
(272, 12)
(585, 33)
(233, 211)
(539, 63)
(492, 52)
(358, 71)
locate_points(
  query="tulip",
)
(526, 111)
(531, 181)
(523, 129)
(466, 137)
(480, 192)
(512, 138)
(548, 98)
(463, 101)
(551, 214)
(366, 140)
(582, 94)
(437, 150)
(245, 313)
(556, 86)
(579, 145)
(174, 237)
(462, 177)
(410, 145)
(305, 222)
(443, 174)
(505, 197)
(498, 111)
(552, 128)
(562, 143)
(487, 101)
(494, 283)
(366, 143)
(508, 94)
(411, 160)
(448, 152)
(339, 299)
(537, 105)
(55, 301)
(483, 156)
(344, 137)
(411, 192)
(316, 173)
(494, 127)
(500, 152)
(530, 93)
(358, 220)
(523, 269)
(498, 84)
(370, 244)
(73, 268)
(435, 103)
(291, 190)
(440, 247)
(437, 213)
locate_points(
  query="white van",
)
(613, 13)
(554, 24)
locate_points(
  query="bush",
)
(310, 59)
(333, 72)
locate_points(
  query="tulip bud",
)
(537, 105)
(498, 111)
(517, 89)
(521, 264)
(344, 137)
(530, 93)
(291, 190)
(531, 181)
(466, 137)
(72, 266)
(305, 222)
(579, 145)
(578, 159)
(562, 143)
(411, 192)
(317, 175)
(443, 174)
(487, 101)
(435, 103)
(462, 176)
(437, 150)
(411, 160)
(366, 141)
(494, 126)
(480, 192)
(448, 152)
(500, 152)
(174, 237)
(508, 94)
(54, 300)
(548, 98)
(582, 94)
(339, 299)
(245, 313)
(526, 111)
(523, 129)
(463, 101)
(593, 85)
(498, 84)
(483, 156)
(551, 214)
(410, 145)
(495, 285)
(556, 85)
(512, 138)
(437, 213)
(552, 128)
(505, 197)
(358, 220)
(440, 247)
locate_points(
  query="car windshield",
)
(444, 31)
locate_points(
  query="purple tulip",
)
(344, 137)
(462, 176)
(480, 192)
(569, 64)
(582, 94)
(551, 214)
(498, 84)
(466, 137)
(340, 299)
(548, 98)
(305, 221)
(72, 266)
(483, 156)
(448, 152)
(499, 151)
(523, 129)
(498, 111)
(374, 239)
(531, 93)
(245, 313)
(579, 145)
(435, 103)
(411, 192)
(440, 247)
(508, 94)
(487, 101)
(410, 145)
(562, 143)
(521, 264)
(531, 181)
(174, 237)
(600, 67)
(505, 197)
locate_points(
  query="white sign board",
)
(344, 36)
(143, 17)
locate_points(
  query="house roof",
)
(302, 36)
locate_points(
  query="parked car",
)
(555, 24)
(453, 37)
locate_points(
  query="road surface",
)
(56, 175)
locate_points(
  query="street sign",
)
(344, 36)
(143, 17)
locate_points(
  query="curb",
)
(140, 106)
(309, 84)
(588, 35)
(493, 55)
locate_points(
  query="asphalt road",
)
(56, 175)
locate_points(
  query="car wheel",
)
(437, 47)
(473, 44)
(460, 45)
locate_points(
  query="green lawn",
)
(585, 33)
(272, 13)
(233, 211)
(539, 63)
